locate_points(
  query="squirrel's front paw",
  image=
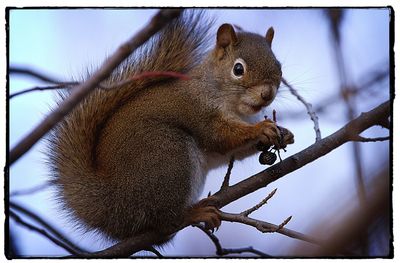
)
(269, 133)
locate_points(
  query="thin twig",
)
(43, 233)
(263, 202)
(30, 191)
(220, 251)
(308, 106)
(225, 183)
(359, 138)
(143, 75)
(33, 73)
(81, 91)
(262, 226)
(60, 86)
(371, 77)
(46, 225)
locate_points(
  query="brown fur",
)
(133, 159)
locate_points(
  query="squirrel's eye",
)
(238, 69)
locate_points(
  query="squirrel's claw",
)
(203, 213)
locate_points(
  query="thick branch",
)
(81, 91)
(127, 247)
(296, 161)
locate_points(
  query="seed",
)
(268, 158)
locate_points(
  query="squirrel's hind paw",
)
(207, 214)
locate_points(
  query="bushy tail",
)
(178, 47)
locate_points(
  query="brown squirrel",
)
(133, 159)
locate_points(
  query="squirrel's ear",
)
(269, 36)
(226, 35)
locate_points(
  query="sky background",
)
(64, 43)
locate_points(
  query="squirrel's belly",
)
(199, 162)
(215, 160)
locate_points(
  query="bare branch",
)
(127, 247)
(300, 159)
(385, 123)
(226, 251)
(81, 91)
(33, 73)
(31, 190)
(262, 226)
(47, 226)
(368, 81)
(263, 202)
(42, 232)
(225, 183)
(358, 138)
(61, 86)
(308, 106)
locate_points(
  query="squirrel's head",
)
(246, 69)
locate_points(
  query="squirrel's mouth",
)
(255, 107)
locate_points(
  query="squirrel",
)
(133, 159)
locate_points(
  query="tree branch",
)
(370, 79)
(81, 91)
(31, 190)
(296, 161)
(42, 232)
(263, 202)
(220, 251)
(47, 226)
(63, 85)
(359, 138)
(261, 226)
(60, 86)
(33, 73)
(225, 183)
(308, 106)
(263, 178)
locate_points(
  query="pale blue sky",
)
(64, 43)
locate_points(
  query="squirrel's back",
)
(179, 47)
